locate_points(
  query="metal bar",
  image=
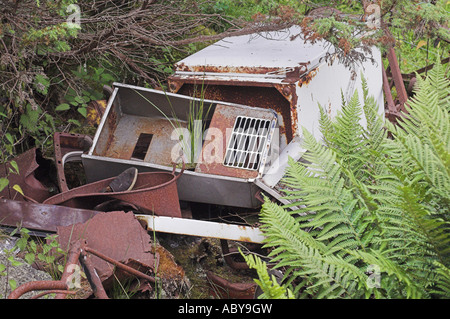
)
(119, 264)
(388, 93)
(202, 228)
(397, 76)
(37, 285)
(92, 276)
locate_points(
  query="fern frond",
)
(269, 285)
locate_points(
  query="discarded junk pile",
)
(222, 136)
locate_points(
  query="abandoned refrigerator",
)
(256, 93)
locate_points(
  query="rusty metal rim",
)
(131, 192)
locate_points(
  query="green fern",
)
(368, 201)
(269, 284)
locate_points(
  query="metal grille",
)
(247, 144)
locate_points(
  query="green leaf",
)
(15, 166)
(77, 123)
(9, 138)
(82, 111)
(21, 243)
(12, 284)
(18, 189)
(3, 183)
(14, 262)
(62, 107)
(29, 258)
(79, 99)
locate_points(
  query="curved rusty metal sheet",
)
(32, 188)
(153, 192)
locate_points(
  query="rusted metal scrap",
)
(224, 289)
(66, 145)
(40, 217)
(33, 189)
(153, 192)
(110, 246)
(118, 235)
(78, 254)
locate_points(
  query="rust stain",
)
(306, 79)
(262, 97)
(226, 69)
(223, 120)
(245, 239)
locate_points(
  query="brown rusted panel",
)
(40, 216)
(224, 289)
(223, 120)
(256, 96)
(153, 192)
(32, 188)
(117, 235)
(124, 135)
